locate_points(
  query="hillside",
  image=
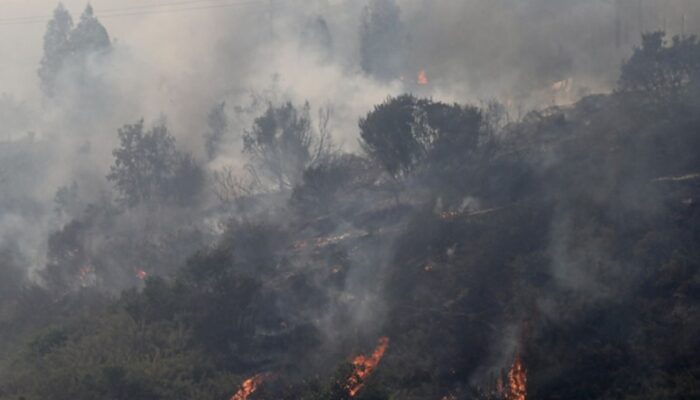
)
(460, 256)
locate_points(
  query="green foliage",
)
(405, 132)
(660, 75)
(115, 356)
(45, 343)
(187, 181)
(56, 41)
(147, 166)
(65, 45)
(89, 35)
(323, 183)
(143, 163)
(68, 266)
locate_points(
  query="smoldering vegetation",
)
(363, 212)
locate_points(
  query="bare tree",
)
(228, 187)
(283, 143)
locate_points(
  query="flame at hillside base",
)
(517, 380)
(249, 386)
(364, 365)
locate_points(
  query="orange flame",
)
(517, 380)
(141, 274)
(249, 386)
(364, 366)
(422, 78)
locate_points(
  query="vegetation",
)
(568, 239)
(147, 166)
(283, 143)
(68, 47)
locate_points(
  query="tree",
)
(229, 187)
(64, 45)
(55, 48)
(147, 165)
(323, 182)
(389, 134)
(317, 36)
(89, 35)
(68, 263)
(381, 39)
(405, 131)
(143, 163)
(187, 180)
(217, 123)
(12, 272)
(283, 143)
(659, 73)
(452, 134)
(67, 201)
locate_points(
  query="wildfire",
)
(364, 365)
(517, 380)
(141, 274)
(422, 78)
(249, 386)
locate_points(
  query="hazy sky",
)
(473, 46)
(159, 33)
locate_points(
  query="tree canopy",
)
(406, 132)
(66, 45)
(148, 166)
(659, 73)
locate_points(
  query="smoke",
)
(175, 63)
(172, 65)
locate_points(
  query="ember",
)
(517, 380)
(249, 386)
(364, 366)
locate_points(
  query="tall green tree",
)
(66, 46)
(56, 46)
(89, 35)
